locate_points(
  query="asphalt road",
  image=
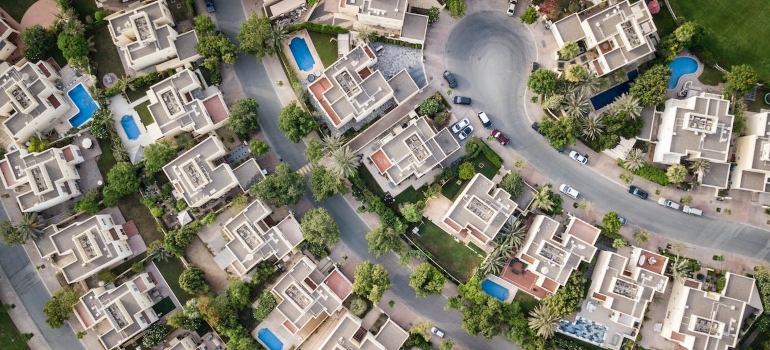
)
(489, 54)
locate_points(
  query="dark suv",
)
(210, 6)
(636, 191)
(450, 78)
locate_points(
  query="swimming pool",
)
(85, 104)
(495, 290)
(679, 67)
(301, 54)
(129, 126)
(267, 337)
(609, 96)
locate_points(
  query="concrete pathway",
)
(42, 12)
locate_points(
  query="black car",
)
(636, 191)
(536, 127)
(210, 6)
(450, 78)
(461, 100)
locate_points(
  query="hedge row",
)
(649, 172)
(321, 28)
(140, 81)
(392, 41)
(482, 147)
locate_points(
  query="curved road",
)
(489, 54)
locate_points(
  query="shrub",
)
(137, 267)
(467, 171)
(266, 304)
(358, 306)
(650, 172)
(106, 276)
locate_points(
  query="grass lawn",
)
(144, 113)
(526, 301)
(451, 189)
(134, 95)
(16, 8)
(710, 76)
(180, 13)
(9, 334)
(326, 48)
(133, 209)
(171, 270)
(455, 257)
(665, 23)
(107, 159)
(371, 183)
(734, 29)
(125, 266)
(85, 8)
(164, 306)
(760, 101)
(106, 55)
(477, 249)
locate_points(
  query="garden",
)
(9, 334)
(460, 260)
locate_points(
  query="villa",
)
(412, 149)
(8, 37)
(179, 104)
(697, 127)
(84, 248)
(700, 320)
(306, 295)
(622, 286)
(254, 237)
(186, 343)
(548, 256)
(146, 38)
(387, 17)
(752, 155)
(31, 103)
(118, 314)
(46, 179)
(617, 36)
(350, 90)
(202, 173)
(350, 334)
(480, 211)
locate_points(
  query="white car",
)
(578, 157)
(511, 7)
(465, 133)
(569, 191)
(668, 203)
(460, 125)
(437, 332)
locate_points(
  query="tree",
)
(10, 234)
(456, 8)
(177, 240)
(700, 167)
(487, 316)
(576, 73)
(296, 122)
(371, 281)
(568, 298)
(626, 105)
(37, 40)
(121, 181)
(332, 143)
(529, 16)
(576, 104)
(283, 187)
(740, 80)
(314, 151)
(679, 269)
(216, 49)
(59, 309)
(429, 107)
(421, 329)
(190, 308)
(651, 86)
(101, 123)
(37, 145)
(542, 81)
(513, 183)
(592, 125)
(412, 212)
(448, 344)
(542, 199)
(561, 132)
(358, 306)
(137, 267)
(433, 14)
(255, 37)
(238, 292)
(258, 147)
(433, 191)
(178, 319)
(106, 276)
(73, 47)
(466, 171)
(319, 227)
(641, 236)
(676, 173)
(543, 320)
(383, 239)
(569, 50)
(244, 117)
(204, 25)
(266, 304)
(343, 162)
(686, 33)
(512, 235)
(30, 227)
(326, 184)
(155, 333)
(157, 251)
(191, 280)
(553, 102)
(426, 280)
(157, 155)
(611, 222)
(618, 243)
(634, 159)
(592, 83)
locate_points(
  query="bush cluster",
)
(477, 145)
(650, 172)
(374, 204)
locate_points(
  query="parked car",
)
(533, 66)
(511, 8)
(536, 127)
(439, 333)
(461, 100)
(668, 203)
(465, 133)
(692, 210)
(450, 78)
(622, 220)
(497, 134)
(578, 157)
(569, 191)
(460, 125)
(484, 119)
(210, 6)
(636, 191)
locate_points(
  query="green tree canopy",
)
(651, 86)
(326, 184)
(740, 80)
(433, 14)
(687, 33)
(426, 280)
(255, 37)
(283, 187)
(561, 132)
(258, 147)
(487, 316)
(429, 107)
(466, 171)
(238, 292)
(266, 304)
(59, 309)
(529, 16)
(73, 47)
(191, 280)
(9, 233)
(568, 298)
(179, 320)
(421, 329)
(371, 281)
(157, 155)
(611, 222)
(319, 227)
(542, 81)
(569, 50)
(121, 181)
(296, 122)
(358, 306)
(177, 240)
(676, 173)
(155, 333)
(513, 183)
(37, 40)
(384, 239)
(204, 25)
(456, 8)
(244, 116)
(314, 151)
(216, 48)
(412, 212)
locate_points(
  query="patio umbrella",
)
(653, 6)
(87, 143)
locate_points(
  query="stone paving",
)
(394, 58)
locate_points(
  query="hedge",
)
(140, 81)
(649, 172)
(482, 147)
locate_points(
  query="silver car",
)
(460, 125)
(578, 157)
(569, 191)
(465, 133)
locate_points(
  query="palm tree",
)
(593, 126)
(64, 16)
(592, 83)
(494, 263)
(543, 321)
(74, 27)
(118, 149)
(276, 36)
(30, 227)
(157, 251)
(576, 104)
(634, 159)
(542, 199)
(512, 235)
(627, 105)
(124, 83)
(332, 143)
(344, 162)
(679, 269)
(700, 167)
(365, 35)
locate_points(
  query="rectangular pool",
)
(495, 290)
(608, 96)
(85, 104)
(268, 338)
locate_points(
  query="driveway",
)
(489, 53)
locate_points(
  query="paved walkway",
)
(20, 315)
(42, 12)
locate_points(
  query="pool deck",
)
(135, 148)
(70, 81)
(317, 67)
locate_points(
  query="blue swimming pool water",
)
(86, 105)
(679, 67)
(609, 96)
(301, 54)
(267, 337)
(129, 126)
(495, 290)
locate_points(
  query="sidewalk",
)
(20, 315)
